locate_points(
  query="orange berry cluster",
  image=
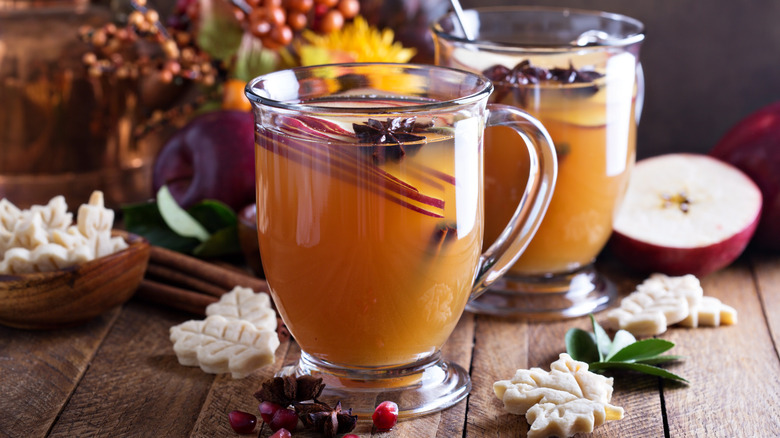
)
(114, 50)
(275, 22)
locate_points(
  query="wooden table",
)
(117, 376)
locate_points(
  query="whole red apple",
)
(212, 157)
(753, 145)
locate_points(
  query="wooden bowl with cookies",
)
(77, 294)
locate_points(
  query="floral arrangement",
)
(221, 44)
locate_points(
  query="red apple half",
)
(685, 214)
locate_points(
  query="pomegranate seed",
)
(284, 418)
(267, 410)
(385, 416)
(350, 435)
(282, 433)
(242, 422)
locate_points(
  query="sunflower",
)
(355, 42)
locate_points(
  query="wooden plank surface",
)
(40, 369)
(733, 370)
(118, 375)
(767, 273)
(134, 385)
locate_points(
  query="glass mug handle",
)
(529, 213)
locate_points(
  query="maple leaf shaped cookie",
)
(30, 232)
(710, 312)
(243, 303)
(16, 261)
(657, 303)
(567, 400)
(220, 345)
(42, 238)
(94, 222)
(238, 336)
(9, 215)
(55, 214)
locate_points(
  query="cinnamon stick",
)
(175, 297)
(169, 275)
(224, 278)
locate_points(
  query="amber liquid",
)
(365, 276)
(595, 140)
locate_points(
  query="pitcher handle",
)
(511, 243)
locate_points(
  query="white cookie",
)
(243, 303)
(221, 345)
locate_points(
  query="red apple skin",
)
(647, 258)
(753, 146)
(212, 157)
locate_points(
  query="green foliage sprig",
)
(623, 352)
(207, 229)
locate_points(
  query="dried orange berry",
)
(89, 58)
(152, 16)
(300, 5)
(332, 21)
(297, 20)
(349, 8)
(282, 35)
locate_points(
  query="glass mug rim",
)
(487, 45)
(482, 88)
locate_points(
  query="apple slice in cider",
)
(685, 214)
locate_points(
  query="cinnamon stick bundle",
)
(187, 283)
(220, 276)
(172, 296)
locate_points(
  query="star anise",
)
(396, 131)
(286, 391)
(326, 420)
(573, 76)
(524, 73)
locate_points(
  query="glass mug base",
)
(552, 297)
(427, 386)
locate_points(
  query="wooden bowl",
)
(74, 295)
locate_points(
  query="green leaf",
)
(253, 59)
(601, 337)
(642, 368)
(622, 339)
(219, 33)
(213, 215)
(660, 359)
(177, 218)
(581, 346)
(223, 242)
(145, 220)
(641, 350)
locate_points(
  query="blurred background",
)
(707, 65)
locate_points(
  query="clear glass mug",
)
(370, 221)
(578, 73)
